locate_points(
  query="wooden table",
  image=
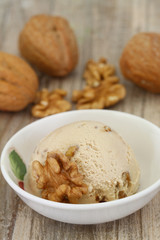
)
(102, 28)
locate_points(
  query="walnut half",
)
(59, 178)
(95, 72)
(48, 103)
(108, 93)
(102, 87)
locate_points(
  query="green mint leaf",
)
(17, 165)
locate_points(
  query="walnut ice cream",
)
(83, 162)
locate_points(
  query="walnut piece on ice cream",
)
(71, 151)
(59, 178)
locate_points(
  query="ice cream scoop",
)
(103, 158)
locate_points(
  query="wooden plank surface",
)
(102, 29)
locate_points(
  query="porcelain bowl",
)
(140, 134)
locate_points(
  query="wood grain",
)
(102, 29)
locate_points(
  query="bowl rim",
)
(154, 188)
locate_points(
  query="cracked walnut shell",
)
(50, 44)
(18, 83)
(108, 93)
(48, 103)
(140, 61)
(59, 178)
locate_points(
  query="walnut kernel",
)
(71, 151)
(106, 94)
(102, 89)
(48, 103)
(59, 178)
(96, 72)
(107, 129)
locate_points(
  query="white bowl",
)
(144, 139)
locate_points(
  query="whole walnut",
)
(18, 83)
(140, 61)
(49, 43)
